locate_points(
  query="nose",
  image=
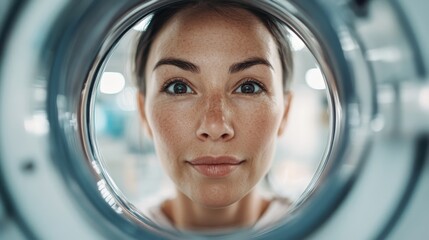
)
(215, 122)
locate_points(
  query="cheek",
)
(259, 122)
(171, 125)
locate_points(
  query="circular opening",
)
(125, 165)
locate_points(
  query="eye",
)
(177, 87)
(250, 87)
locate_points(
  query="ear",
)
(140, 101)
(287, 102)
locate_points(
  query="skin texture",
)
(214, 117)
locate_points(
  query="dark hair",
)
(162, 15)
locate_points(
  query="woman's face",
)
(214, 103)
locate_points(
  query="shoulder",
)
(155, 214)
(278, 208)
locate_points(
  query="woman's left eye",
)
(249, 87)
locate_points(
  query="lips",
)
(215, 167)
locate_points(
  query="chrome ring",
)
(338, 81)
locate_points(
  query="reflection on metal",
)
(105, 193)
(96, 167)
(142, 25)
(296, 42)
(373, 183)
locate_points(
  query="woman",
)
(212, 77)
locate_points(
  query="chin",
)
(217, 197)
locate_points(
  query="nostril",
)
(206, 136)
(225, 136)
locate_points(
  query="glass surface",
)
(129, 157)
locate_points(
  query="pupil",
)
(247, 88)
(179, 88)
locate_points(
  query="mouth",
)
(215, 167)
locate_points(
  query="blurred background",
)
(129, 157)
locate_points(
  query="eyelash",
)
(169, 83)
(254, 81)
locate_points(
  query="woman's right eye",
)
(177, 87)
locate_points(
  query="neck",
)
(188, 215)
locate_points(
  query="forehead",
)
(196, 31)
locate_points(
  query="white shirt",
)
(276, 210)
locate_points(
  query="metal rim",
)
(300, 25)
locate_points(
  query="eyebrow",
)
(236, 67)
(241, 66)
(180, 63)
